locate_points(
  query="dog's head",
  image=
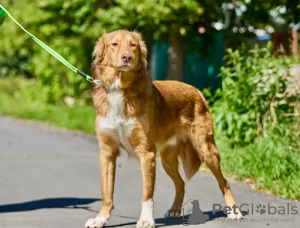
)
(195, 203)
(122, 50)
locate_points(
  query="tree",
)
(14, 54)
(72, 28)
(174, 21)
(177, 22)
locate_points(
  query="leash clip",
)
(97, 82)
(89, 78)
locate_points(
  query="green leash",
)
(3, 15)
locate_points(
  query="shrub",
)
(258, 93)
(19, 55)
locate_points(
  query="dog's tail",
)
(190, 160)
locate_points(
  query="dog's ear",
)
(142, 51)
(98, 55)
(99, 50)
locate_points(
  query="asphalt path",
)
(50, 178)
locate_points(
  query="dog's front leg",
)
(107, 159)
(147, 160)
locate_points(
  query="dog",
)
(143, 117)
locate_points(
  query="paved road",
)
(50, 178)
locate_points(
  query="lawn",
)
(15, 102)
(271, 164)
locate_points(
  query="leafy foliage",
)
(14, 53)
(72, 27)
(20, 55)
(255, 96)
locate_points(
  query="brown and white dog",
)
(145, 117)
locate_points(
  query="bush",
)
(56, 81)
(20, 55)
(257, 95)
(16, 46)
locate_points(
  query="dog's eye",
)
(114, 44)
(133, 45)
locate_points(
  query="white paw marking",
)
(172, 214)
(146, 218)
(145, 223)
(97, 222)
(233, 216)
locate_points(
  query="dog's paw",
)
(97, 222)
(145, 223)
(173, 213)
(234, 216)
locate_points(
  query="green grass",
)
(269, 163)
(14, 101)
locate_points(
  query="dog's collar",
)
(112, 87)
(100, 83)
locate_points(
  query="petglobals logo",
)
(192, 214)
(252, 208)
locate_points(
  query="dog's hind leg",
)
(169, 159)
(204, 143)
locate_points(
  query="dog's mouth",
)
(125, 66)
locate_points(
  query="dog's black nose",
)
(126, 57)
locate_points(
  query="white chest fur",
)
(116, 124)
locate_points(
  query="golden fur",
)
(168, 117)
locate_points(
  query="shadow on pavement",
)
(73, 203)
(161, 222)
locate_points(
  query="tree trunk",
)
(294, 41)
(176, 58)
